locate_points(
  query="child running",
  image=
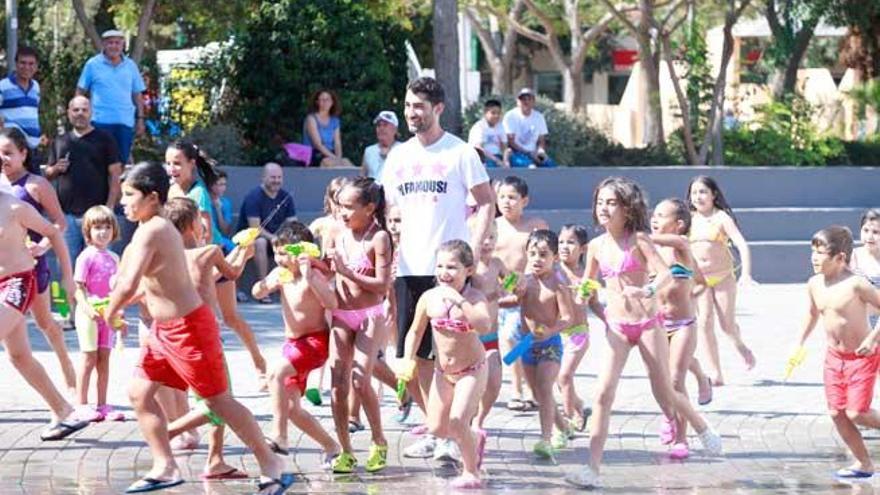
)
(18, 287)
(184, 350)
(866, 258)
(841, 300)
(513, 235)
(713, 228)
(306, 294)
(573, 241)
(458, 314)
(547, 309)
(361, 256)
(95, 266)
(623, 255)
(669, 226)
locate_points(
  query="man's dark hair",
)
(149, 177)
(429, 88)
(26, 51)
(493, 103)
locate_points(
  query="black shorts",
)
(408, 290)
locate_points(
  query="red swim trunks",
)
(849, 380)
(305, 354)
(186, 353)
(18, 291)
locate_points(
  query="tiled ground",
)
(777, 439)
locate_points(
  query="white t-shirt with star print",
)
(430, 186)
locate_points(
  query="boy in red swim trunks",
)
(18, 287)
(841, 298)
(184, 350)
(306, 295)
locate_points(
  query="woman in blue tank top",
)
(321, 130)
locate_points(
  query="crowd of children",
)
(655, 281)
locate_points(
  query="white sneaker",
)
(447, 451)
(711, 441)
(584, 479)
(422, 449)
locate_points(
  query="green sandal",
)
(378, 459)
(343, 463)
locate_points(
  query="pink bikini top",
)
(362, 265)
(630, 263)
(450, 324)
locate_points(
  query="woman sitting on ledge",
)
(321, 130)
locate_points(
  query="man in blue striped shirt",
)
(20, 94)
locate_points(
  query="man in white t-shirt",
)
(488, 137)
(386, 138)
(527, 133)
(429, 177)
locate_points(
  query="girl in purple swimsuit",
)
(37, 192)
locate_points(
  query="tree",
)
(862, 47)
(446, 61)
(145, 17)
(570, 65)
(792, 26)
(499, 47)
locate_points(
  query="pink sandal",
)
(679, 451)
(667, 431)
(419, 430)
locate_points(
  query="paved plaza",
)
(777, 438)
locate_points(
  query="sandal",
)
(343, 463)
(355, 426)
(283, 483)
(151, 484)
(378, 459)
(516, 404)
(531, 405)
(404, 410)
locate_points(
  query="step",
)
(781, 262)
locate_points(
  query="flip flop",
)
(355, 426)
(404, 410)
(232, 474)
(516, 404)
(530, 405)
(151, 484)
(849, 473)
(62, 430)
(274, 447)
(585, 417)
(283, 483)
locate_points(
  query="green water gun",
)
(509, 282)
(59, 299)
(299, 248)
(407, 372)
(588, 287)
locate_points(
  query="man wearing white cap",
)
(526, 133)
(386, 136)
(114, 84)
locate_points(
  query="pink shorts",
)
(305, 354)
(186, 353)
(849, 380)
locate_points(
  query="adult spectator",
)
(20, 93)
(527, 133)
(386, 138)
(266, 206)
(115, 85)
(84, 165)
(429, 177)
(321, 130)
(488, 137)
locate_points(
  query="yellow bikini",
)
(710, 231)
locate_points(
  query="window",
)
(549, 84)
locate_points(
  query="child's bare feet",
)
(747, 356)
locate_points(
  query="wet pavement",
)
(777, 437)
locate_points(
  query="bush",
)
(863, 153)
(573, 141)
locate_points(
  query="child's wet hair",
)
(544, 235)
(836, 239)
(517, 183)
(99, 215)
(872, 215)
(182, 212)
(371, 192)
(682, 211)
(291, 232)
(148, 178)
(462, 251)
(330, 192)
(720, 201)
(631, 197)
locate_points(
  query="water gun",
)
(519, 349)
(284, 276)
(299, 248)
(794, 361)
(407, 372)
(100, 305)
(509, 282)
(59, 299)
(587, 287)
(246, 237)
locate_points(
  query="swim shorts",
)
(18, 291)
(305, 354)
(849, 380)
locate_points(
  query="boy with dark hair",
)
(488, 137)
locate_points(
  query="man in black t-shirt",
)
(85, 169)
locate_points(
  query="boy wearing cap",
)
(526, 133)
(386, 136)
(488, 137)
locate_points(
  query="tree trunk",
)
(788, 82)
(87, 24)
(446, 62)
(571, 88)
(143, 33)
(653, 132)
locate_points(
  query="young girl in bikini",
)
(361, 256)
(623, 255)
(712, 228)
(458, 314)
(866, 258)
(572, 251)
(669, 226)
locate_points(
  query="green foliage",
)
(866, 95)
(222, 142)
(864, 153)
(573, 141)
(700, 83)
(290, 48)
